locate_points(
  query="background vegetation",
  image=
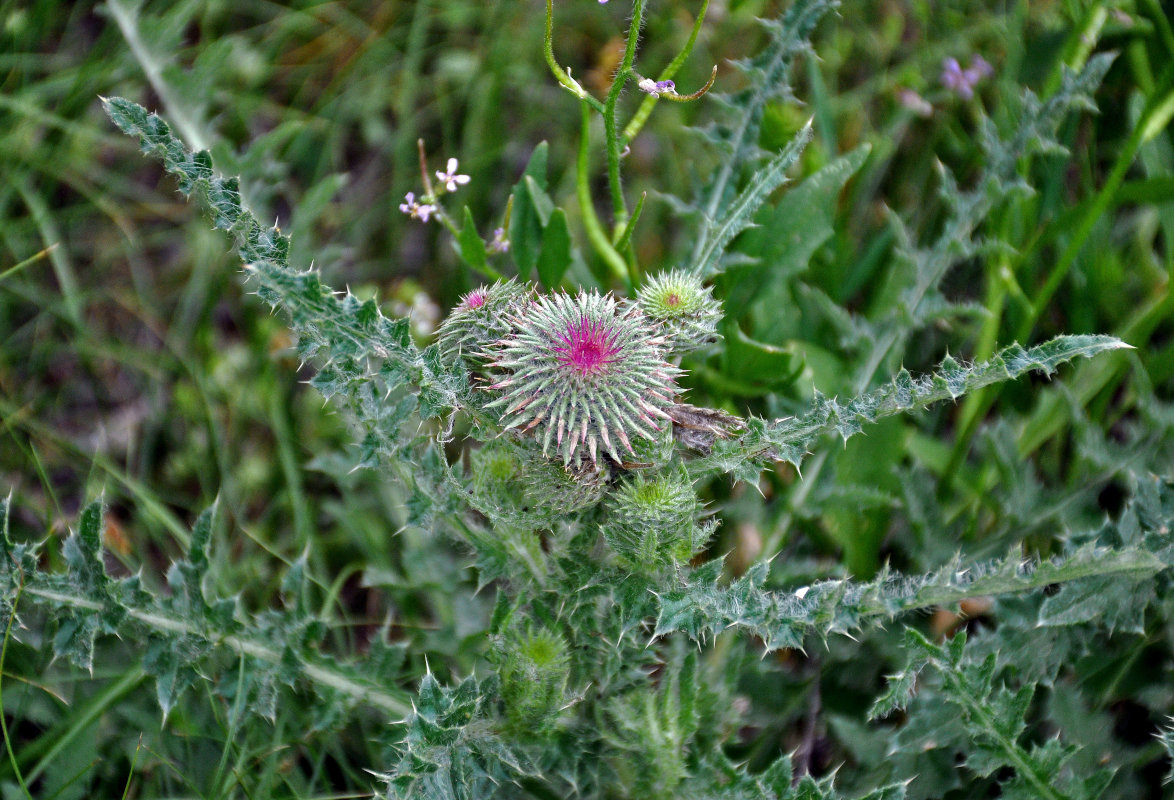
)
(135, 365)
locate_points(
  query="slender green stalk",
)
(634, 126)
(85, 717)
(1154, 120)
(3, 723)
(599, 239)
(134, 760)
(611, 131)
(561, 75)
(15, 268)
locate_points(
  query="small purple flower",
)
(499, 244)
(656, 88)
(450, 178)
(962, 81)
(415, 210)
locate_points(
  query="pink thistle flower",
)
(475, 298)
(583, 374)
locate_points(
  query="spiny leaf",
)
(740, 212)
(185, 628)
(768, 76)
(702, 608)
(789, 439)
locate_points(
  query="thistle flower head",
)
(653, 522)
(585, 374)
(683, 306)
(479, 320)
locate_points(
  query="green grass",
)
(134, 363)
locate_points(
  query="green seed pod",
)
(481, 318)
(533, 666)
(653, 523)
(684, 308)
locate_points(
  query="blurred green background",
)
(134, 363)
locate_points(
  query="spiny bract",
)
(584, 372)
(684, 307)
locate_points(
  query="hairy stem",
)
(611, 131)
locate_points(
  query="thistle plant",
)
(546, 438)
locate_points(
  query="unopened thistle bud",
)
(533, 666)
(585, 375)
(653, 523)
(684, 307)
(481, 318)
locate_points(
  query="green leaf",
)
(787, 236)
(525, 223)
(470, 244)
(1114, 603)
(739, 215)
(541, 201)
(755, 368)
(555, 255)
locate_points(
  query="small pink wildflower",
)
(499, 244)
(962, 81)
(450, 178)
(415, 210)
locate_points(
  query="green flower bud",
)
(481, 318)
(684, 307)
(653, 523)
(533, 666)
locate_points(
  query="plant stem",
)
(561, 75)
(3, 723)
(611, 131)
(632, 129)
(599, 239)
